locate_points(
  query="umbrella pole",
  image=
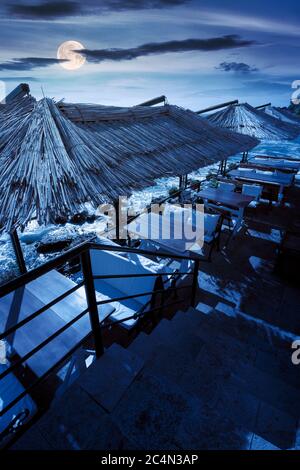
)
(183, 179)
(117, 210)
(224, 164)
(18, 251)
(182, 185)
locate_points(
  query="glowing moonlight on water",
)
(66, 51)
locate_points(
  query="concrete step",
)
(279, 365)
(80, 418)
(75, 422)
(238, 347)
(210, 379)
(107, 378)
(268, 388)
(252, 330)
(157, 414)
(174, 336)
(142, 346)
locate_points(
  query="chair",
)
(212, 233)
(252, 190)
(226, 186)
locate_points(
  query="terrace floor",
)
(216, 377)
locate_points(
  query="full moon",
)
(66, 51)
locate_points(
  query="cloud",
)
(19, 79)
(239, 67)
(58, 9)
(29, 63)
(187, 45)
(48, 9)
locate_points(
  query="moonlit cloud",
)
(29, 63)
(187, 45)
(239, 67)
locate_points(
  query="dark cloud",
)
(28, 63)
(58, 9)
(45, 9)
(239, 67)
(187, 45)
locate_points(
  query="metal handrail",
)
(83, 250)
(42, 344)
(122, 276)
(41, 310)
(65, 357)
(33, 274)
(134, 296)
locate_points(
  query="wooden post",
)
(195, 283)
(18, 251)
(182, 185)
(117, 209)
(224, 167)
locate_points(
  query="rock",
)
(52, 246)
(82, 217)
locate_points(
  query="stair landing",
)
(193, 383)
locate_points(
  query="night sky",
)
(197, 53)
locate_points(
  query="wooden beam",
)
(217, 106)
(263, 106)
(21, 90)
(159, 99)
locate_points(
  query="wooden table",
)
(235, 202)
(275, 164)
(280, 180)
(278, 157)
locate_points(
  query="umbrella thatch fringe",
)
(247, 120)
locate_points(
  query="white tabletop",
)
(175, 233)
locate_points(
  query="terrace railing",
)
(83, 253)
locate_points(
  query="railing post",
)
(195, 282)
(91, 301)
(18, 251)
(159, 285)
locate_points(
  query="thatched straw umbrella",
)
(247, 120)
(282, 115)
(174, 140)
(50, 165)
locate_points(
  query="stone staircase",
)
(210, 378)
